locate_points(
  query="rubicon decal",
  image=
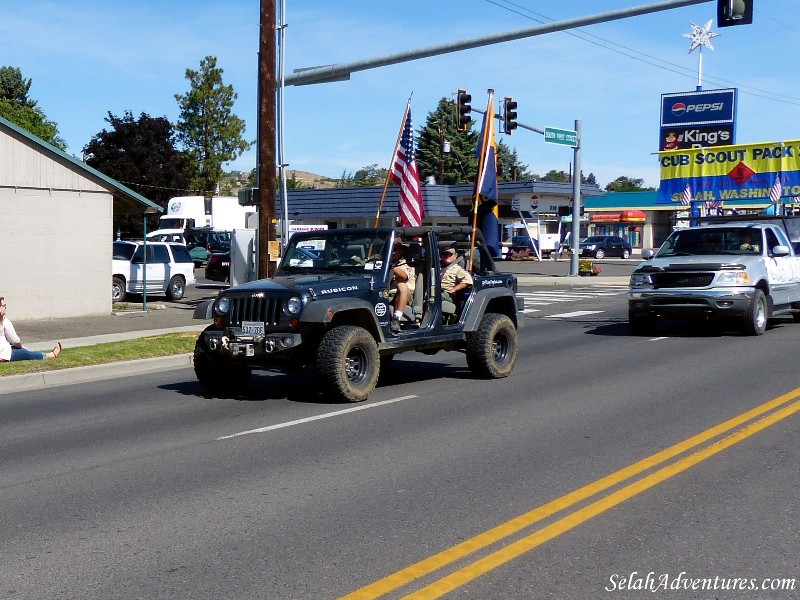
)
(337, 290)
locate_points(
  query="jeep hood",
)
(317, 284)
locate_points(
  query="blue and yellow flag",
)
(486, 182)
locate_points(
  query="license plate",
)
(252, 328)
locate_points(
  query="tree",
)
(627, 184)
(460, 164)
(13, 86)
(207, 128)
(17, 107)
(553, 175)
(141, 154)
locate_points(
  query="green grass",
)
(149, 347)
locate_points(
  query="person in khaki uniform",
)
(404, 277)
(455, 279)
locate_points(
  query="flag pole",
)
(479, 177)
(394, 153)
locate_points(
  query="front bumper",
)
(689, 304)
(253, 348)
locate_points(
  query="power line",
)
(648, 59)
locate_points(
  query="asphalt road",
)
(134, 488)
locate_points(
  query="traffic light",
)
(734, 12)
(509, 115)
(463, 108)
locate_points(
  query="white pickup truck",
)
(747, 270)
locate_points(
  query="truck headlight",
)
(294, 305)
(734, 278)
(640, 280)
(223, 305)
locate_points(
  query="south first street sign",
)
(564, 137)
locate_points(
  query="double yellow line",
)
(738, 428)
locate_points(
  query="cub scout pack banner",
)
(764, 173)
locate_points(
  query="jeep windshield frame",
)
(345, 251)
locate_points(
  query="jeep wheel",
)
(492, 349)
(217, 377)
(641, 325)
(117, 289)
(176, 288)
(755, 320)
(348, 363)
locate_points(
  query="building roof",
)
(126, 201)
(440, 200)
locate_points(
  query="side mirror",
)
(648, 254)
(780, 251)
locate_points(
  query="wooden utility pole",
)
(266, 141)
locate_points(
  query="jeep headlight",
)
(734, 278)
(223, 305)
(640, 280)
(294, 305)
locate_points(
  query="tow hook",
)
(270, 345)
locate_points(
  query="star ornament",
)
(701, 36)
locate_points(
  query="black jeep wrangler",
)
(328, 307)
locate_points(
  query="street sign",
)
(564, 137)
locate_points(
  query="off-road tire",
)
(217, 377)
(118, 291)
(492, 348)
(176, 288)
(348, 363)
(755, 319)
(641, 325)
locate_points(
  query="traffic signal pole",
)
(266, 139)
(341, 72)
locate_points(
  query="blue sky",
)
(90, 57)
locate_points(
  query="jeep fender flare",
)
(501, 300)
(343, 310)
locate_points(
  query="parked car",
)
(219, 267)
(600, 246)
(169, 269)
(521, 246)
(202, 242)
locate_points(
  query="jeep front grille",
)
(681, 280)
(262, 310)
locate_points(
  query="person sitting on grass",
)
(11, 348)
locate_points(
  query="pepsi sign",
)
(712, 107)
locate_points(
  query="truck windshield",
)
(712, 240)
(334, 252)
(170, 223)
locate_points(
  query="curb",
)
(46, 379)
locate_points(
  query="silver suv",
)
(745, 270)
(168, 269)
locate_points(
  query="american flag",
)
(404, 173)
(686, 198)
(776, 191)
(713, 204)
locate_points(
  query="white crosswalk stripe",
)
(546, 297)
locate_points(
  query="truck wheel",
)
(348, 363)
(755, 320)
(641, 325)
(217, 377)
(117, 289)
(176, 288)
(492, 348)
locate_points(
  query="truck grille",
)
(681, 280)
(264, 310)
